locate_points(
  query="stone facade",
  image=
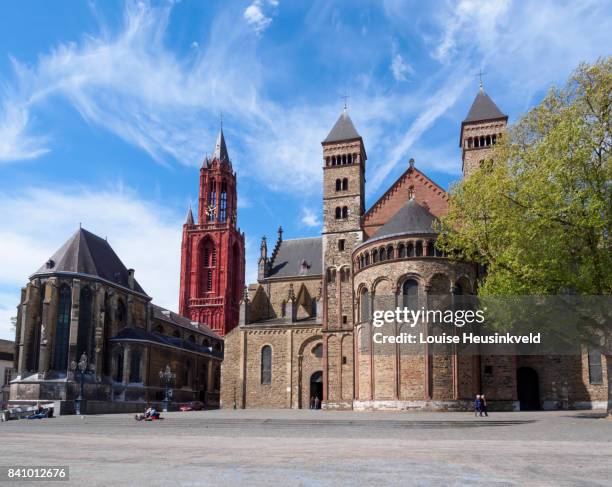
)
(7, 359)
(73, 308)
(380, 259)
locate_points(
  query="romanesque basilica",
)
(304, 329)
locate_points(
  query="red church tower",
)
(212, 252)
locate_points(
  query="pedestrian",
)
(312, 402)
(483, 405)
(317, 403)
(477, 405)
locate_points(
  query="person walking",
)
(317, 403)
(478, 405)
(483, 405)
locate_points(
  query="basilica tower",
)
(344, 159)
(483, 126)
(212, 250)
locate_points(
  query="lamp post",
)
(166, 376)
(81, 368)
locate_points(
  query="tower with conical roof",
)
(481, 129)
(212, 251)
(344, 159)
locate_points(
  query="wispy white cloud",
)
(310, 218)
(400, 68)
(469, 20)
(16, 143)
(255, 16)
(37, 221)
(129, 82)
(437, 104)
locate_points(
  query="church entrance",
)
(316, 385)
(528, 389)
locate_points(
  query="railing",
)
(216, 301)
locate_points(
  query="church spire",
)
(343, 129)
(220, 148)
(483, 108)
(189, 219)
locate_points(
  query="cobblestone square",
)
(319, 448)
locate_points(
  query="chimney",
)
(131, 278)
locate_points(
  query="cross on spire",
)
(345, 97)
(480, 73)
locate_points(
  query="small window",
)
(266, 365)
(344, 360)
(338, 184)
(344, 212)
(338, 213)
(345, 184)
(317, 350)
(119, 368)
(488, 369)
(344, 319)
(341, 244)
(595, 372)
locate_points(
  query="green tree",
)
(538, 213)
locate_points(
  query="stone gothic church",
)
(305, 326)
(84, 301)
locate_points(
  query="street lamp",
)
(166, 376)
(81, 369)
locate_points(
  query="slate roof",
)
(411, 219)
(343, 129)
(288, 259)
(483, 108)
(87, 254)
(220, 148)
(138, 334)
(176, 319)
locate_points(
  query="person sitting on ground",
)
(39, 413)
(477, 405)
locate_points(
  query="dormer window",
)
(304, 266)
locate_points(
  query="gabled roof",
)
(220, 152)
(164, 314)
(140, 335)
(343, 129)
(411, 219)
(483, 108)
(87, 254)
(298, 258)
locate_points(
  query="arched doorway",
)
(316, 385)
(528, 389)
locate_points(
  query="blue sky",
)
(108, 108)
